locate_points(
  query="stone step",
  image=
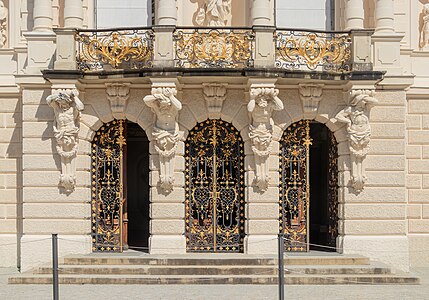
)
(215, 279)
(221, 260)
(211, 270)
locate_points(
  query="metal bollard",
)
(281, 267)
(55, 266)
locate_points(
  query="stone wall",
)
(418, 179)
(10, 179)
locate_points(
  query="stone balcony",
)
(213, 50)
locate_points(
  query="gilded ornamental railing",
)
(315, 50)
(119, 48)
(213, 47)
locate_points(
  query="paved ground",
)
(206, 292)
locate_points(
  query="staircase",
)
(138, 268)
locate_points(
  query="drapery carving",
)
(356, 116)
(213, 12)
(3, 24)
(67, 107)
(118, 94)
(310, 95)
(215, 95)
(166, 107)
(424, 39)
(263, 101)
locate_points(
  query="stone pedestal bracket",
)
(356, 116)
(67, 107)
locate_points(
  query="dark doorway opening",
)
(321, 196)
(137, 187)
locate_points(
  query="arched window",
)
(124, 13)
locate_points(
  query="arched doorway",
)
(308, 187)
(214, 188)
(120, 187)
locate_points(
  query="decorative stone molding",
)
(165, 106)
(213, 12)
(356, 116)
(3, 25)
(215, 95)
(118, 94)
(67, 107)
(424, 35)
(310, 95)
(263, 101)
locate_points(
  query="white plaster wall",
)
(124, 13)
(312, 14)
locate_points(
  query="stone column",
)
(262, 13)
(354, 14)
(384, 15)
(42, 15)
(73, 13)
(262, 18)
(166, 13)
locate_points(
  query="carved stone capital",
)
(356, 118)
(118, 94)
(165, 106)
(310, 95)
(215, 95)
(67, 107)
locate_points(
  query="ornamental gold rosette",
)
(131, 48)
(213, 48)
(321, 51)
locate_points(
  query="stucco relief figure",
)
(356, 116)
(424, 40)
(166, 106)
(263, 101)
(213, 12)
(3, 24)
(67, 107)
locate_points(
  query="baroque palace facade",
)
(207, 126)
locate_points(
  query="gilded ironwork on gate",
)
(214, 188)
(294, 185)
(332, 190)
(107, 187)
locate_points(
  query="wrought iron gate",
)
(214, 188)
(294, 185)
(107, 187)
(333, 190)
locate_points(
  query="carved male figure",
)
(67, 107)
(166, 130)
(213, 12)
(3, 24)
(356, 116)
(263, 101)
(425, 30)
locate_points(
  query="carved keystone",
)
(118, 94)
(310, 95)
(215, 95)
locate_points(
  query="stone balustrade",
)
(214, 48)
